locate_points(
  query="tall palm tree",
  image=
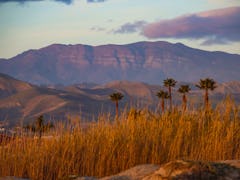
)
(206, 84)
(169, 83)
(162, 95)
(116, 97)
(183, 90)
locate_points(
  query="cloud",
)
(130, 27)
(214, 27)
(97, 29)
(95, 1)
(63, 1)
(24, 1)
(213, 40)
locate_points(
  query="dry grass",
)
(108, 147)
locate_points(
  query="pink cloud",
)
(222, 25)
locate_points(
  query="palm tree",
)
(183, 90)
(206, 84)
(116, 97)
(169, 83)
(41, 127)
(162, 95)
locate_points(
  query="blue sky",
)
(32, 24)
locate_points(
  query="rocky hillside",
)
(143, 61)
(21, 102)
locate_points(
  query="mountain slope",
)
(9, 85)
(21, 102)
(143, 61)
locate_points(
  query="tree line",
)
(204, 84)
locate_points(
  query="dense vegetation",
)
(136, 137)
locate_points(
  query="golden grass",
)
(108, 147)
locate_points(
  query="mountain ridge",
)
(141, 61)
(111, 44)
(122, 45)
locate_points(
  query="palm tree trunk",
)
(40, 133)
(206, 99)
(184, 99)
(117, 109)
(162, 105)
(170, 97)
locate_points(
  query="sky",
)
(212, 25)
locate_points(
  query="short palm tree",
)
(162, 95)
(183, 90)
(169, 83)
(41, 127)
(116, 97)
(206, 84)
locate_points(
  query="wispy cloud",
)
(130, 27)
(212, 41)
(25, 1)
(97, 29)
(63, 1)
(95, 1)
(214, 27)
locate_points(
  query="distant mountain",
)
(21, 102)
(149, 62)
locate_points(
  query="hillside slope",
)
(21, 102)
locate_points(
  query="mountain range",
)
(22, 103)
(149, 62)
